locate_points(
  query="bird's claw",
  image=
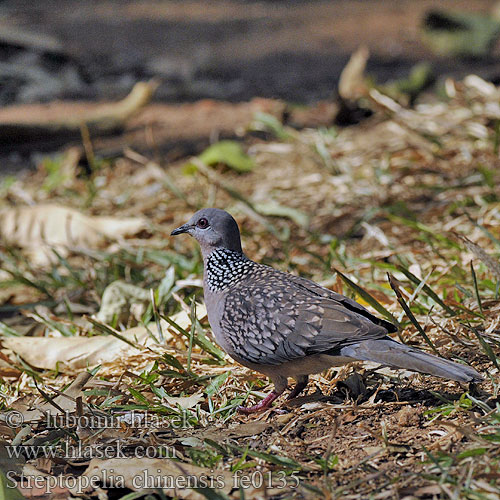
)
(263, 405)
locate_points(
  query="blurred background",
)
(231, 50)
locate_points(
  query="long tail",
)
(392, 353)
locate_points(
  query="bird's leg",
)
(263, 405)
(301, 384)
(280, 384)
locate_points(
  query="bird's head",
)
(212, 228)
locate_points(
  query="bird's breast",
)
(214, 302)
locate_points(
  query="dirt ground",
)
(228, 50)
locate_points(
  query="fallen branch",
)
(17, 123)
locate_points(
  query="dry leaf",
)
(238, 431)
(41, 228)
(185, 402)
(75, 353)
(172, 477)
(490, 262)
(118, 299)
(21, 123)
(352, 81)
(68, 354)
(65, 402)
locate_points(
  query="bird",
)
(286, 326)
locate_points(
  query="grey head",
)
(212, 228)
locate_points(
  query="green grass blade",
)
(368, 298)
(216, 383)
(426, 289)
(486, 347)
(172, 361)
(408, 312)
(488, 234)
(192, 332)
(137, 395)
(286, 462)
(211, 494)
(476, 289)
(110, 331)
(157, 316)
(422, 228)
(415, 293)
(7, 331)
(199, 339)
(63, 329)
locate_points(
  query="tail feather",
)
(392, 353)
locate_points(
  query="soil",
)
(230, 50)
(226, 50)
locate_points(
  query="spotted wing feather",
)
(345, 301)
(271, 319)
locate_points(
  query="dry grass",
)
(410, 192)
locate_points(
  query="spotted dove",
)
(286, 326)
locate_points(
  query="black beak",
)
(182, 229)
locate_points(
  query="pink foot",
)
(263, 405)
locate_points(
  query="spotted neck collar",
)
(224, 268)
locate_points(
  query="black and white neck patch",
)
(225, 268)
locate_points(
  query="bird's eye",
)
(202, 223)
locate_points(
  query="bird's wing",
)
(275, 320)
(345, 301)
